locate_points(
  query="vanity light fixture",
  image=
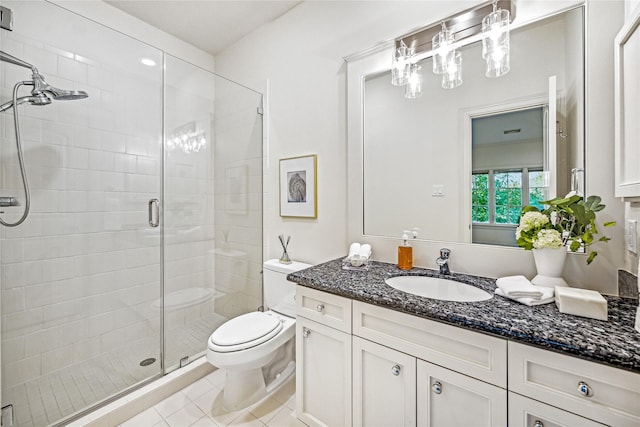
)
(413, 89)
(440, 41)
(452, 77)
(495, 41)
(400, 64)
(443, 51)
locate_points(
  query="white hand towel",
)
(546, 298)
(365, 251)
(519, 287)
(354, 249)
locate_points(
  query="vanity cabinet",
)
(384, 386)
(365, 365)
(323, 358)
(451, 368)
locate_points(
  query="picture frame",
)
(298, 187)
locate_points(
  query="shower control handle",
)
(154, 212)
(9, 201)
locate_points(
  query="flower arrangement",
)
(568, 221)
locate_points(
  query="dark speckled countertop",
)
(614, 342)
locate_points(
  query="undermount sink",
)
(437, 288)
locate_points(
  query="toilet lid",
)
(245, 331)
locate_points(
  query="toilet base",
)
(243, 388)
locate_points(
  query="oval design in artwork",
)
(297, 187)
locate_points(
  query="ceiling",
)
(210, 25)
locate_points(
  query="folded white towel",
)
(546, 298)
(519, 287)
(365, 251)
(354, 249)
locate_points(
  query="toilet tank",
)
(279, 293)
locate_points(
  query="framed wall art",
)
(298, 187)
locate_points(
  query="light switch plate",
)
(631, 236)
(437, 190)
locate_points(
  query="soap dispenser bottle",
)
(405, 253)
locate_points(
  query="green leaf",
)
(609, 223)
(604, 239)
(591, 256)
(575, 245)
(593, 201)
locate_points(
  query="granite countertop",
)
(614, 342)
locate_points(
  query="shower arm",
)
(4, 56)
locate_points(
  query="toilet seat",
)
(242, 332)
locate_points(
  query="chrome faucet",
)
(443, 261)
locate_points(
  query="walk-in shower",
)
(95, 301)
(41, 94)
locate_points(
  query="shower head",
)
(42, 92)
(42, 88)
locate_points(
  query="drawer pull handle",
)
(306, 332)
(538, 423)
(584, 389)
(437, 387)
(395, 370)
(320, 307)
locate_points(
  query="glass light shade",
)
(441, 44)
(498, 63)
(495, 32)
(452, 78)
(414, 85)
(400, 65)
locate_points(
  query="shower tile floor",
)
(61, 393)
(198, 405)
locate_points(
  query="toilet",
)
(257, 349)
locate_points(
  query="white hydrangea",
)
(547, 239)
(532, 220)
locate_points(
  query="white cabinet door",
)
(384, 386)
(525, 412)
(449, 399)
(323, 374)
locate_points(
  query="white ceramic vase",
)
(549, 264)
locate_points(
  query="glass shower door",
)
(80, 277)
(213, 206)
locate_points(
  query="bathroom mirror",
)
(425, 160)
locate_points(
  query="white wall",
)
(299, 58)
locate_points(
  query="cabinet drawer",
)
(471, 353)
(525, 412)
(608, 395)
(328, 309)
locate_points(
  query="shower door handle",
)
(154, 212)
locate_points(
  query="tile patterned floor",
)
(198, 405)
